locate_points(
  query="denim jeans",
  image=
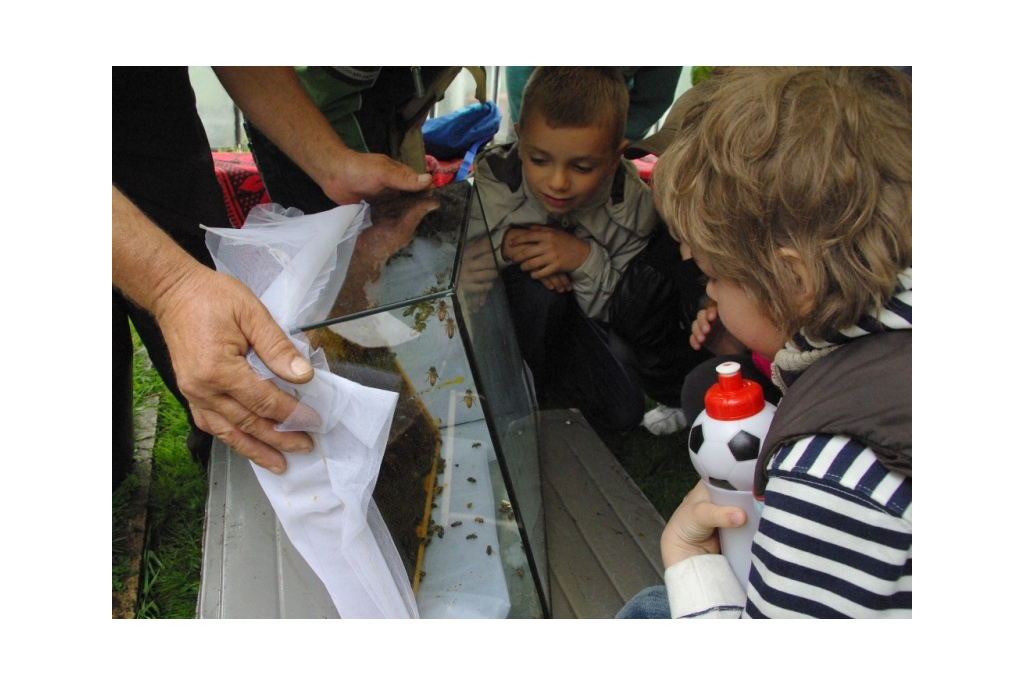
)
(649, 603)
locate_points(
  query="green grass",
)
(659, 464)
(172, 558)
(122, 569)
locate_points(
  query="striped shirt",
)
(834, 538)
(835, 535)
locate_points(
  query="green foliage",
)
(121, 564)
(172, 560)
(698, 74)
(177, 504)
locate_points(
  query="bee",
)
(439, 530)
(442, 310)
(455, 524)
(469, 506)
(479, 519)
(519, 572)
(408, 310)
(475, 445)
(471, 536)
(450, 325)
(471, 479)
(469, 399)
(432, 375)
(490, 550)
(441, 465)
(438, 490)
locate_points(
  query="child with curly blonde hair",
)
(792, 189)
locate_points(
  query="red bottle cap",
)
(733, 397)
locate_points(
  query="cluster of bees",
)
(422, 311)
(437, 529)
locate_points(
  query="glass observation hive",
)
(423, 312)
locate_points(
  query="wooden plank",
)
(603, 534)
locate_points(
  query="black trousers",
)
(161, 161)
(575, 361)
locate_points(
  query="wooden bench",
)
(603, 535)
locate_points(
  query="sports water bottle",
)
(724, 443)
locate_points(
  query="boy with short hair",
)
(566, 214)
(792, 188)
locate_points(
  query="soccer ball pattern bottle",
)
(724, 443)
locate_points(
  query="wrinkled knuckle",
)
(250, 424)
(269, 406)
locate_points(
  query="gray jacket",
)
(616, 223)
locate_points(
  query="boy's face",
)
(740, 314)
(564, 167)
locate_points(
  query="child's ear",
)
(801, 277)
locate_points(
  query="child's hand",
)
(560, 282)
(543, 251)
(509, 244)
(693, 528)
(708, 332)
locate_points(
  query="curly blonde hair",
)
(816, 159)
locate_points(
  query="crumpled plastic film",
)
(296, 264)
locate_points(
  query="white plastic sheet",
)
(296, 264)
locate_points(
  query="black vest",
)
(862, 390)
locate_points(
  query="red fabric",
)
(442, 173)
(645, 167)
(241, 184)
(243, 188)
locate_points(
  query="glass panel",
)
(422, 312)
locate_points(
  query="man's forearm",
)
(274, 100)
(147, 263)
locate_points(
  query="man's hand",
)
(394, 225)
(693, 528)
(353, 176)
(209, 323)
(274, 100)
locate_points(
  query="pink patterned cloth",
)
(763, 365)
(241, 184)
